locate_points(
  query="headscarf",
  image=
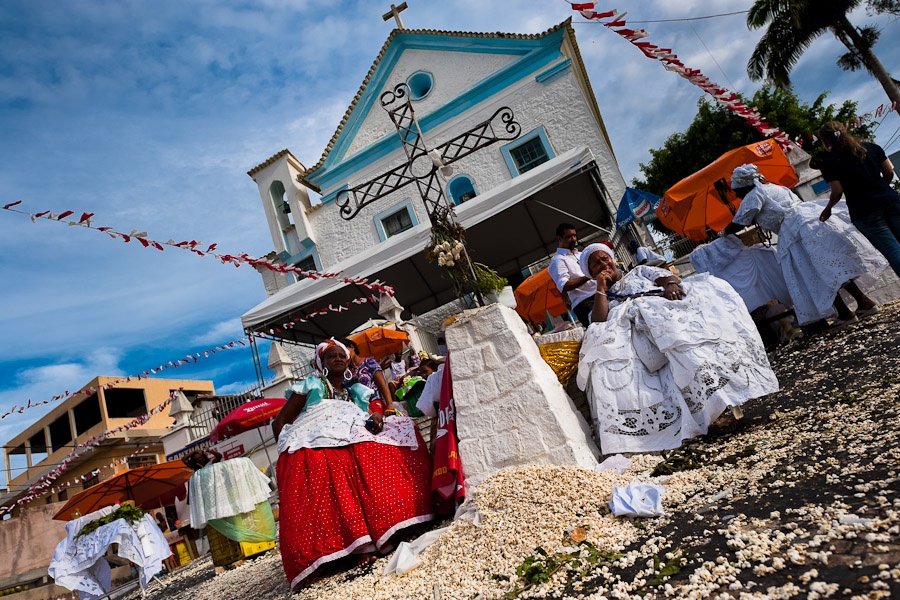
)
(586, 254)
(321, 348)
(745, 176)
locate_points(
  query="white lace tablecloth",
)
(576, 334)
(226, 489)
(78, 563)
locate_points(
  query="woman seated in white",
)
(664, 358)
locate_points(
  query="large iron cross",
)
(419, 167)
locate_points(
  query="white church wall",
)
(558, 106)
(453, 73)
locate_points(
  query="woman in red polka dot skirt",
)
(350, 473)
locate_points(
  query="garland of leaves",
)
(130, 513)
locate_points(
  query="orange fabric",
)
(695, 203)
(379, 342)
(538, 295)
(144, 485)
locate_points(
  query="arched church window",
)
(461, 188)
(420, 85)
(282, 212)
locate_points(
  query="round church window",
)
(420, 85)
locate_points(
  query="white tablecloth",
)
(576, 334)
(753, 272)
(226, 489)
(78, 564)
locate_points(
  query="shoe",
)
(839, 323)
(868, 311)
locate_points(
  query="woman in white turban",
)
(664, 358)
(817, 259)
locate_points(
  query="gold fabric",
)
(562, 358)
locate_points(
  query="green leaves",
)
(541, 566)
(683, 459)
(671, 567)
(130, 513)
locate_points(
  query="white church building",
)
(509, 195)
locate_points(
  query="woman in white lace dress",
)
(664, 358)
(816, 258)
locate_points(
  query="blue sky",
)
(149, 114)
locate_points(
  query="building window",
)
(420, 85)
(528, 152)
(142, 460)
(394, 220)
(461, 188)
(63, 495)
(529, 155)
(397, 222)
(307, 264)
(91, 481)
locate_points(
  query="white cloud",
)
(224, 331)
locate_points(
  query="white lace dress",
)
(660, 371)
(225, 489)
(816, 258)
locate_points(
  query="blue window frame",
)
(397, 219)
(527, 152)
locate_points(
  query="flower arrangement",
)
(447, 248)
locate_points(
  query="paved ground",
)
(802, 501)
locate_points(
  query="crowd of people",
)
(663, 360)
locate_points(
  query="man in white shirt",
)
(645, 256)
(567, 275)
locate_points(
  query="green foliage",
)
(130, 513)
(541, 566)
(671, 567)
(716, 130)
(682, 459)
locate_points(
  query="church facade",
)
(561, 167)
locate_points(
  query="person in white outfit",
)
(566, 273)
(663, 358)
(817, 259)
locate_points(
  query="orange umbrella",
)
(142, 485)
(537, 296)
(380, 340)
(705, 199)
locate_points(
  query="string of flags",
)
(722, 95)
(192, 358)
(195, 247)
(883, 110)
(40, 487)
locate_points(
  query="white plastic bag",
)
(617, 463)
(406, 556)
(637, 500)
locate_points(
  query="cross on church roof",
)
(395, 12)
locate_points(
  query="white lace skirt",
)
(658, 371)
(226, 489)
(818, 258)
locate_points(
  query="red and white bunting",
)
(883, 110)
(725, 97)
(39, 487)
(197, 248)
(191, 358)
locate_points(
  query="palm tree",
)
(794, 24)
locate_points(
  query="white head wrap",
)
(321, 348)
(586, 254)
(745, 176)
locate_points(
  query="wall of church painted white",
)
(557, 105)
(452, 72)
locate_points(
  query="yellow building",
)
(76, 419)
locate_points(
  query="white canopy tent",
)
(508, 227)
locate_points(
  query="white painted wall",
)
(559, 106)
(453, 74)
